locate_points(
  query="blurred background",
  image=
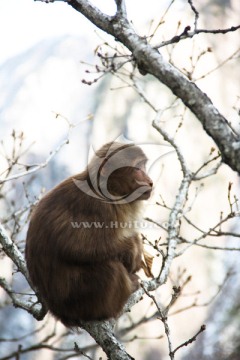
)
(47, 54)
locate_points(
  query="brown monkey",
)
(82, 250)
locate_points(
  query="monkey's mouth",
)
(146, 195)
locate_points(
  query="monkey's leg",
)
(96, 292)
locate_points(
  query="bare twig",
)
(160, 22)
(186, 34)
(163, 317)
(196, 14)
(192, 339)
(222, 63)
(35, 167)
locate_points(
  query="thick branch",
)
(103, 334)
(36, 309)
(150, 61)
(93, 14)
(12, 251)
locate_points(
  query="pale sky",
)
(25, 22)
(57, 87)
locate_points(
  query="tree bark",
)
(150, 61)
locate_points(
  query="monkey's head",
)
(122, 172)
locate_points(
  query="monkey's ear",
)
(147, 263)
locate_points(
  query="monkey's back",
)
(75, 269)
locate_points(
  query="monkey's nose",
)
(150, 182)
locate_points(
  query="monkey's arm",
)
(137, 257)
(131, 257)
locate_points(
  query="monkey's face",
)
(141, 181)
(117, 174)
(131, 179)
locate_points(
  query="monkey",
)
(81, 256)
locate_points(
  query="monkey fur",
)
(89, 273)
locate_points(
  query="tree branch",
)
(36, 309)
(121, 8)
(12, 251)
(150, 61)
(35, 168)
(187, 34)
(102, 332)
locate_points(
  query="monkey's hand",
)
(135, 284)
(131, 257)
(147, 263)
